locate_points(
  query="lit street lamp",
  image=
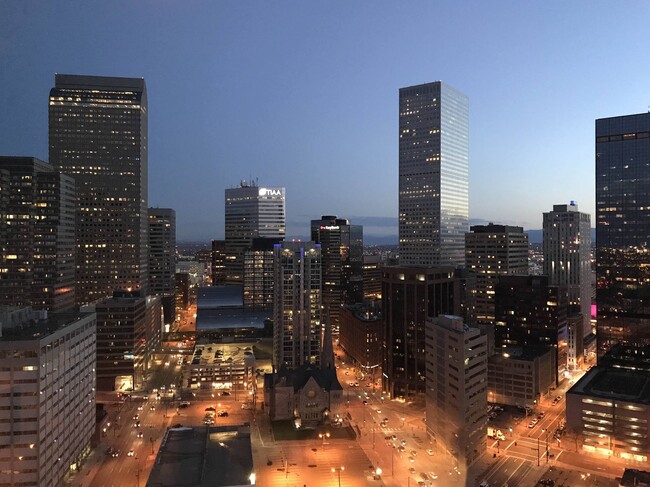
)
(322, 436)
(339, 470)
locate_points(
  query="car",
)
(414, 453)
(225, 393)
(136, 424)
(411, 470)
(421, 483)
(411, 459)
(541, 415)
(210, 408)
(387, 438)
(356, 384)
(184, 404)
(222, 414)
(403, 442)
(548, 482)
(531, 425)
(140, 434)
(140, 407)
(136, 417)
(365, 402)
(385, 420)
(131, 453)
(485, 483)
(433, 476)
(430, 452)
(115, 453)
(152, 408)
(401, 449)
(208, 421)
(393, 437)
(378, 411)
(162, 388)
(383, 424)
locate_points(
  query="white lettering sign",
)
(270, 192)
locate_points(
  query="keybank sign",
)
(270, 192)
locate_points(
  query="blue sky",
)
(303, 94)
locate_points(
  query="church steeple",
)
(327, 350)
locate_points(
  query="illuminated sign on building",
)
(329, 227)
(270, 192)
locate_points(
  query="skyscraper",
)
(490, 251)
(258, 274)
(433, 175)
(37, 245)
(251, 212)
(162, 251)
(297, 328)
(98, 135)
(567, 256)
(623, 237)
(342, 258)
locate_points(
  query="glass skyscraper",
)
(98, 135)
(433, 175)
(622, 238)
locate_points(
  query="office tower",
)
(433, 175)
(529, 312)
(218, 262)
(567, 259)
(37, 243)
(490, 251)
(182, 290)
(456, 388)
(121, 340)
(409, 296)
(162, 251)
(342, 258)
(47, 368)
(258, 274)
(251, 212)
(372, 265)
(154, 313)
(297, 328)
(98, 135)
(362, 336)
(622, 237)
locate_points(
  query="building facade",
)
(297, 326)
(98, 135)
(456, 388)
(362, 336)
(622, 230)
(162, 251)
(567, 256)
(258, 274)
(491, 251)
(409, 296)
(47, 372)
(433, 175)
(251, 212)
(37, 235)
(372, 265)
(218, 262)
(532, 313)
(342, 257)
(121, 341)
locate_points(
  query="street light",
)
(339, 470)
(322, 436)
(378, 472)
(403, 421)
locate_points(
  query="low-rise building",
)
(609, 410)
(47, 395)
(519, 377)
(221, 366)
(307, 395)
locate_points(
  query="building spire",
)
(327, 350)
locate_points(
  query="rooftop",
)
(614, 383)
(39, 329)
(203, 456)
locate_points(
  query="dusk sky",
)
(304, 94)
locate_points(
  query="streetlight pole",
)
(339, 472)
(538, 451)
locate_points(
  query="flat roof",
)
(218, 319)
(38, 330)
(203, 456)
(615, 383)
(214, 297)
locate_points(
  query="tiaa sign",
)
(270, 192)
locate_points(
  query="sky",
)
(304, 94)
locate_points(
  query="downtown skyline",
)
(293, 96)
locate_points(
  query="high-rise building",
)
(37, 243)
(342, 258)
(251, 212)
(162, 251)
(490, 251)
(47, 368)
(218, 262)
(529, 312)
(623, 238)
(567, 256)
(258, 274)
(456, 388)
(433, 175)
(98, 135)
(409, 295)
(372, 265)
(297, 327)
(122, 344)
